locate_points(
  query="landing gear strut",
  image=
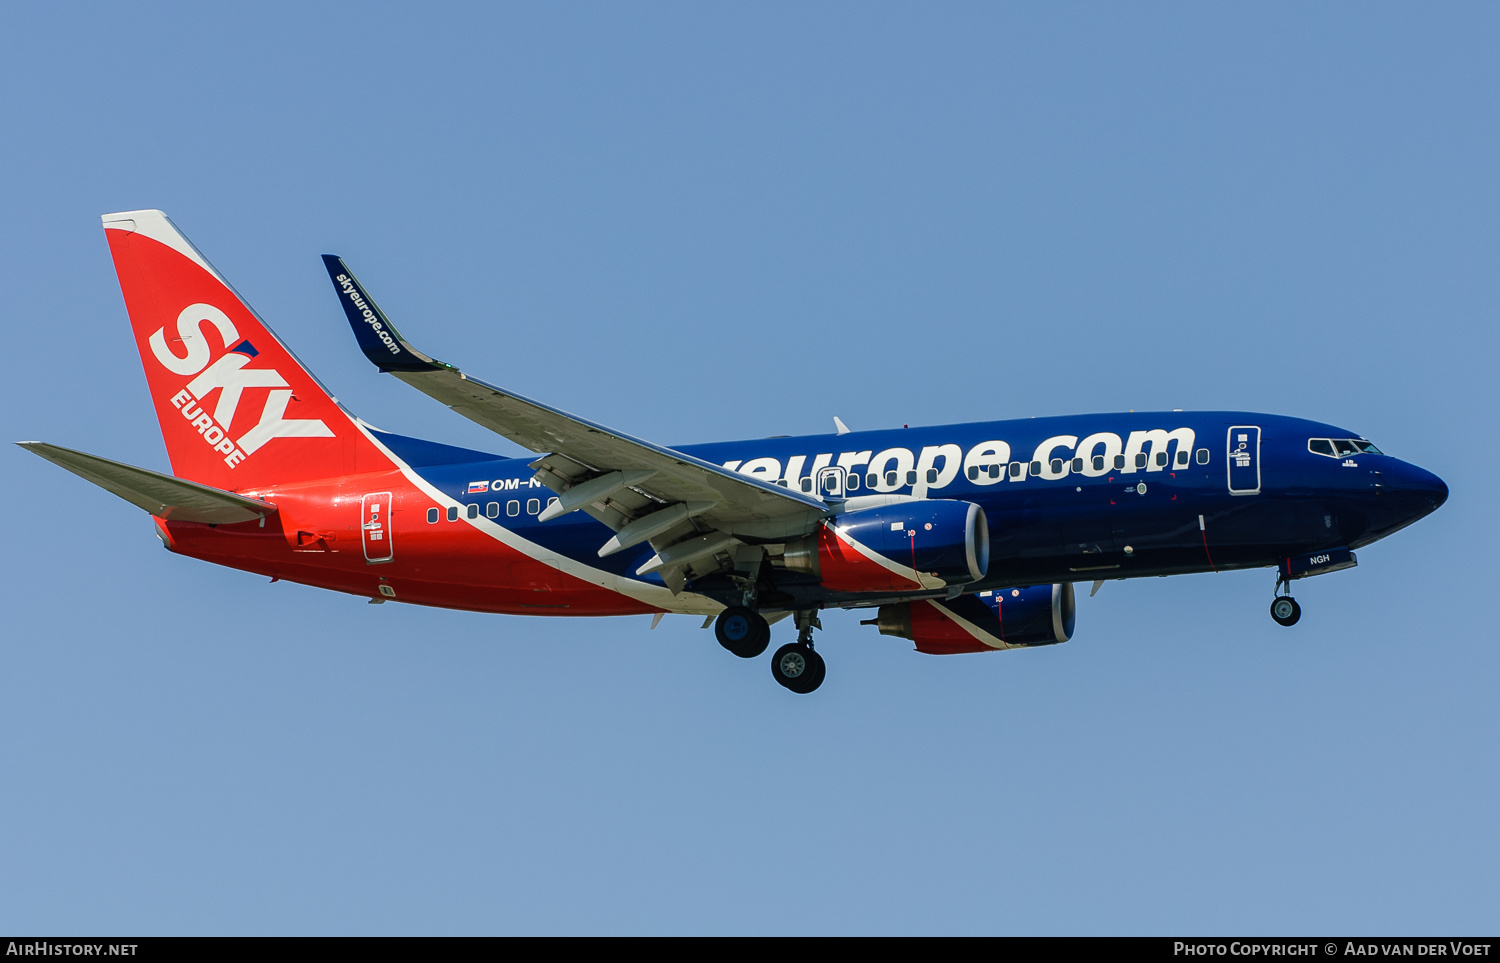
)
(743, 631)
(795, 665)
(1284, 608)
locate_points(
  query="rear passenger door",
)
(375, 527)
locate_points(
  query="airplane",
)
(959, 538)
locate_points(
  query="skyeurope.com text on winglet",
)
(376, 336)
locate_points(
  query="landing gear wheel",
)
(797, 667)
(742, 631)
(1285, 610)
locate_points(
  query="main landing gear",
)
(795, 665)
(741, 630)
(1284, 608)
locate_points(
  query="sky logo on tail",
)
(229, 376)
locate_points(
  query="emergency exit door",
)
(375, 529)
(1244, 460)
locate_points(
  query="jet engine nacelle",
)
(1004, 619)
(906, 546)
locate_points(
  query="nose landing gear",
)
(1284, 608)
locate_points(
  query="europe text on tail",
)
(961, 538)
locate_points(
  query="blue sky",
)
(698, 222)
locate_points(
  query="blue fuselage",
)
(1072, 498)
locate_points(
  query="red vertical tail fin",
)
(237, 409)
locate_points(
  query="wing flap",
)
(543, 429)
(164, 496)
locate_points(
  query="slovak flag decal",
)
(477, 487)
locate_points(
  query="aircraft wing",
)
(623, 481)
(164, 496)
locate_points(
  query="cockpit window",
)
(1339, 447)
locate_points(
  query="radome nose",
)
(1421, 483)
(1436, 488)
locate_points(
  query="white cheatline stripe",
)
(659, 596)
(921, 578)
(971, 628)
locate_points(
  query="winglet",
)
(377, 337)
(839, 426)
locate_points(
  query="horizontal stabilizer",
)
(162, 495)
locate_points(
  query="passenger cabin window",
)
(432, 516)
(932, 476)
(890, 479)
(533, 505)
(492, 510)
(1015, 469)
(973, 472)
(872, 480)
(1098, 463)
(1078, 464)
(512, 508)
(1036, 468)
(1119, 462)
(1202, 456)
(1140, 459)
(1161, 459)
(853, 485)
(994, 471)
(911, 478)
(452, 513)
(1056, 466)
(1182, 457)
(805, 484)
